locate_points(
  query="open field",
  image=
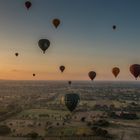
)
(54, 125)
(43, 113)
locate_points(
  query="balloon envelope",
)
(16, 54)
(135, 70)
(44, 44)
(115, 71)
(56, 22)
(62, 68)
(114, 27)
(92, 75)
(28, 4)
(71, 101)
(69, 82)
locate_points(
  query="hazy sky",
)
(83, 42)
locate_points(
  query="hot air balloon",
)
(69, 82)
(44, 44)
(28, 4)
(62, 68)
(115, 71)
(135, 70)
(71, 101)
(114, 27)
(33, 74)
(16, 54)
(92, 75)
(56, 22)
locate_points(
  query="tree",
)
(33, 135)
(57, 124)
(83, 119)
(4, 130)
(88, 123)
(99, 131)
(101, 123)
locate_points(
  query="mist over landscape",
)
(35, 106)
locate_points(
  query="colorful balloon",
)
(135, 70)
(28, 4)
(62, 68)
(115, 71)
(92, 75)
(71, 101)
(56, 22)
(44, 44)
